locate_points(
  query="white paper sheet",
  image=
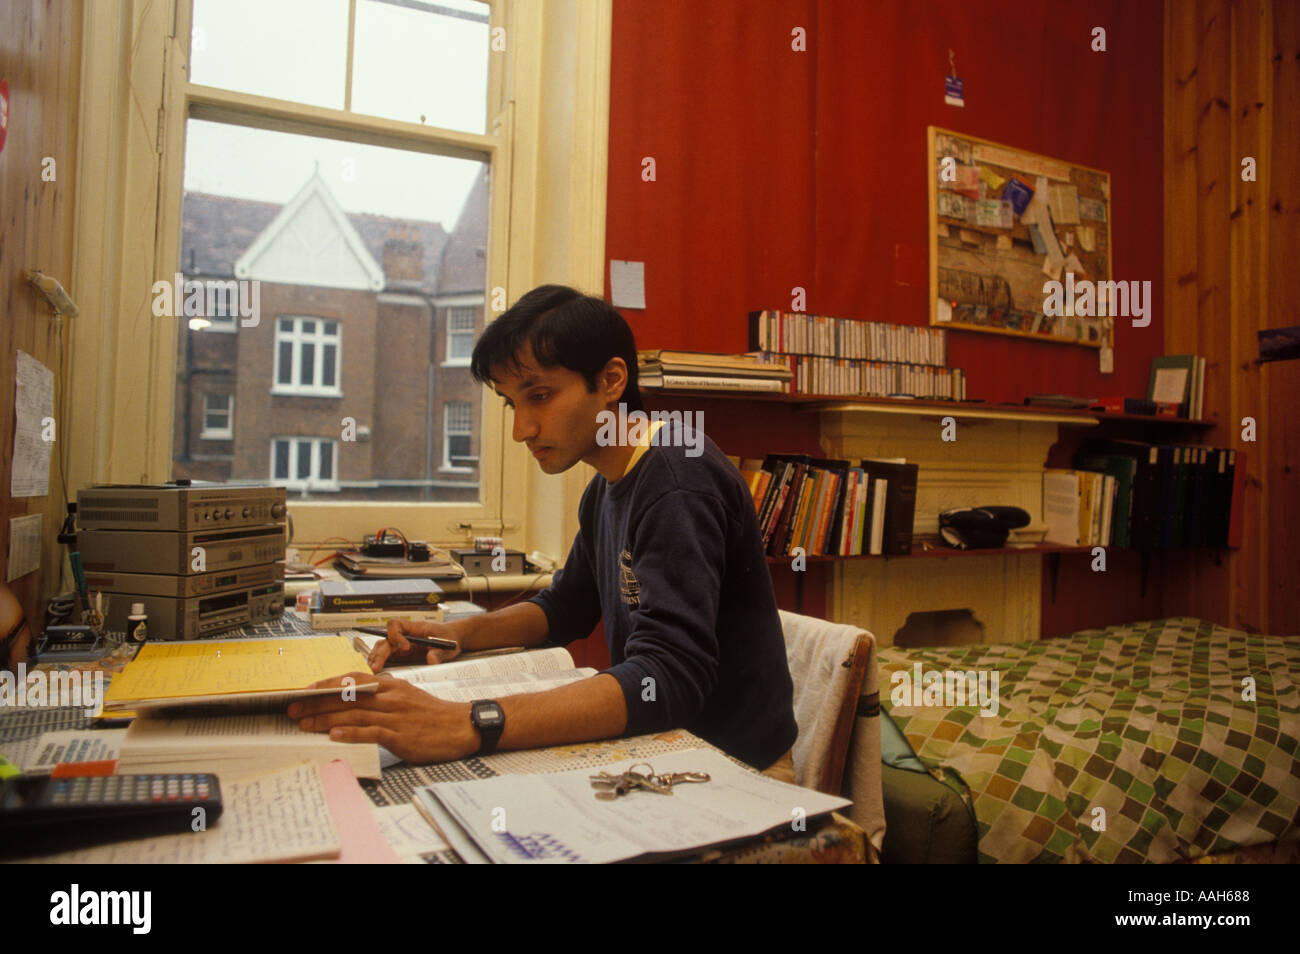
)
(33, 404)
(282, 816)
(556, 818)
(627, 284)
(1170, 386)
(39, 754)
(24, 545)
(405, 829)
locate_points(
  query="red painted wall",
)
(775, 169)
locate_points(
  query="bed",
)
(1174, 740)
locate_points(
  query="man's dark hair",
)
(565, 328)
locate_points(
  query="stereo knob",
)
(277, 510)
(229, 514)
(245, 514)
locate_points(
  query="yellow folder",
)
(175, 673)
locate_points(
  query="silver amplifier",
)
(179, 554)
(158, 584)
(177, 508)
(198, 616)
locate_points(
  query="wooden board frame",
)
(1001, 289)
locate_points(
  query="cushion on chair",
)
(836, 706)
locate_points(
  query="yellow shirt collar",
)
(642, 447)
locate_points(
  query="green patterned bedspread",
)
(1132, 743)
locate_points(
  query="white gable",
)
(311, 242)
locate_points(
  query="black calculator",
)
(44, 815)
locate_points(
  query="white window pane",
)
(306, 363)
(281, 460)
(422, 62)
(287, 49)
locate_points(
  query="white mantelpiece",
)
(997, 458)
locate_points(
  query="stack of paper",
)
(556, 818)
(235, 746)
(282, 816)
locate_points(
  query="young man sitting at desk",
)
(668, 554)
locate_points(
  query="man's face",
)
(554, 412)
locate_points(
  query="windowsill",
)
(297, 487)
(225, 328)
(455, 470)
(456, 363)
(217, 435)
(282, 391)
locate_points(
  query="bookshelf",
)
(818, 403)
(999, 457)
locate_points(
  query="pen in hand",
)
(432, 641)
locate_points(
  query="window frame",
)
(456, 362)
(313, 482)
(447, 466)
(548, 152)
(320, 339)
(226, 433)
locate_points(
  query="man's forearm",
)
(521, 625)
(579, 712)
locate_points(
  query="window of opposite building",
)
(218, 411)
(304, 463)
(460, 335)
(458, 436)
(307, 357)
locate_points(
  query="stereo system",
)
(202, 558)
(178, 508)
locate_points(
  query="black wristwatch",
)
(490, 720)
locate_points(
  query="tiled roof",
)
(464, 258)
(216, 230)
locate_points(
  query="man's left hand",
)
(407, 721)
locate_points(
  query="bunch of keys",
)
(611, 786)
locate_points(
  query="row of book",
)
(849, 376)
(701, 370)
(344, 604)
(1146, 496)
(787, 332)
(832, 507)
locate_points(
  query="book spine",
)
(1237, 476)
(353, 603)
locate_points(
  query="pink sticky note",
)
(361, 841)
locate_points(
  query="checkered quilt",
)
(1154, 741)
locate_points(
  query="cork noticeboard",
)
(1003, 222)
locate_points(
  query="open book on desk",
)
(485, 677)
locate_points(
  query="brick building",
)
(355, 382)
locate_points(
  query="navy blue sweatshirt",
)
(669, 557)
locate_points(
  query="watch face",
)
(488, 715)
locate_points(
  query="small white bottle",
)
(136, 624)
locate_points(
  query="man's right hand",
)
(399, 651)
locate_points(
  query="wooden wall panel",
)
(1282, 379)
(40, 57)
(1231, 93)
